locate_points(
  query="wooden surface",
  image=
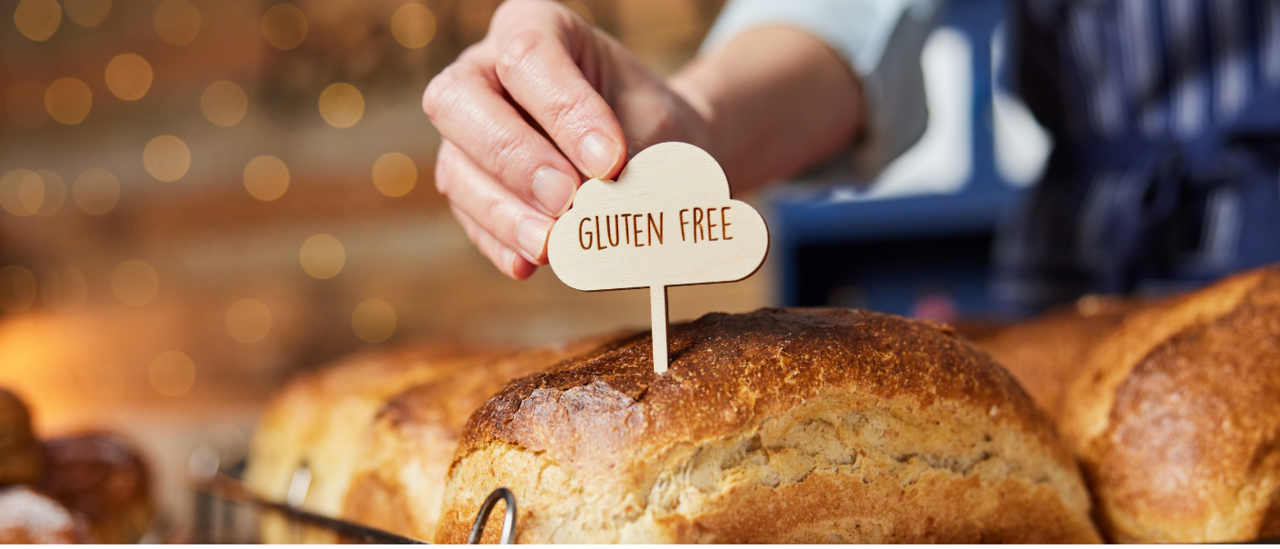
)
(668, 220)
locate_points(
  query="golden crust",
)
(1176, 419)
(769, 427)
(1047, 352)
(399, 482)
(320, 420)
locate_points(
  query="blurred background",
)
(201, 197)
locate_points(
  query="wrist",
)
(695, 84)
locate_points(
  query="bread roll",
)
(320, 420)
(104, 479)
(1046, 352)
(1176, 418)
(28, 516)
(778, 426)
(20, 459)
(399, 486)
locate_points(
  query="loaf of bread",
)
(325, 421)
(778, 426)
(1046, 352)
(20, 459)
(1176, 417)
(399, 483)
(320, 421)
(104, 479)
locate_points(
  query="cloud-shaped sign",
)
(668, 220)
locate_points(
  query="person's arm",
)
(546, 95)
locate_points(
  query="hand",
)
(544, 97)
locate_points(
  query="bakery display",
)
(1176, 417)
(325, 422)
(800, 425)
(1046, 352)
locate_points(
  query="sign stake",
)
(658, 306)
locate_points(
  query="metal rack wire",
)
(223, 503)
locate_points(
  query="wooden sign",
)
(668, 220)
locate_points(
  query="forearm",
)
(775, 100)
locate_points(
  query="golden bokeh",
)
(68, 100)
(228, 441)
(129, 76)
(284, 26)
(172, 373)
(177, 22)
(224, 103)
(25, 104)
(581, 9)
(413, 25)
(135, 282)
(373, 320)
(322, 256)
(64, 288)
(341, 105)
(248, 321)
(266, 177)
(17, 288)
(96, 191)
(37, 19)
(395, 174)
(21, 192)
(87, 13)
(166, 158)
(55, 193)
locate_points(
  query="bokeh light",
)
(64, 288)
(248, 321)
(228, 441)
(341, 105)
(166, 158)
(177, 22)
(581, 9)
(135, 282)
(224, 103)
(172, 373)
(395, 174)
(129, 76)
(21, 192)
(266, 178)
(96, 191)
(17, 288)
(37, 19)
(284, 26)
(87, 13)
(413, 25)
(322, 256)
(68, 100)
(55, 193)
(373, 320)
(25, 104)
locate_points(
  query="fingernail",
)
(554, 189)
(531, 235)
(599, 154)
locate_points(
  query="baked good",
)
(1176, 417)
(28, 516)
(20, 458)
(104, 479)
(319, 421)
(1046, 352)
(324, 420)
(778, 426)
(399, 485)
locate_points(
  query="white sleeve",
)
(881, 39)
